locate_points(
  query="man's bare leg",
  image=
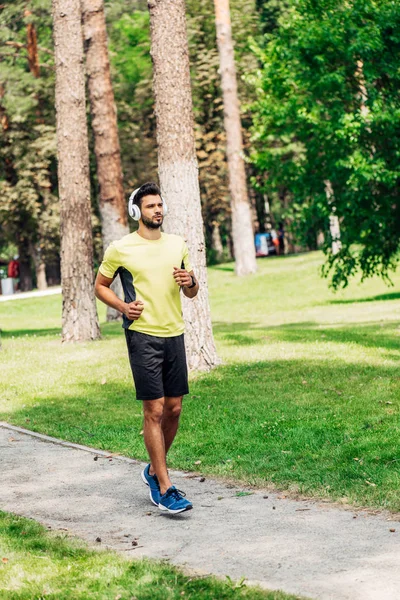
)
(154, 440)
(170, 420)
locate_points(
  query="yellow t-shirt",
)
(146, 271)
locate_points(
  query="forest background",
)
(318, 85)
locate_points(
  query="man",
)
(153, 267)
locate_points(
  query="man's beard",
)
(150, 224)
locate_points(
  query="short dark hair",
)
(147, 189)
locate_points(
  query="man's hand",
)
(182, 277)
(133, 310)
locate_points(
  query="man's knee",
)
(153, 410)
(173, 409)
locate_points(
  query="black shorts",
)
(158, 365)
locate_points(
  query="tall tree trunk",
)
(33, 61)
(79, 315)
(177, 165)
(242, 226)
(113, 212)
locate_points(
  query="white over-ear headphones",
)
(134, 210)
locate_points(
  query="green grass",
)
(307, 399)
(42, 565)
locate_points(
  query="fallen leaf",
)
(197, 462)
(392, 530)
(103, 381)
(142, 432)
(369, 483)
(202, 479)
(96, 458)
(304, 382)
(4, 560)
(98, 539)
(134, 542)
(11, 439)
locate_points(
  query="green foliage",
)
(29, 212)
(328, 110)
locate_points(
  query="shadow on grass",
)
(389, 296)
(10, 333)
(111, 329)
(290, 422)
(369, 335)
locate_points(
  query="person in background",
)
(13, 271)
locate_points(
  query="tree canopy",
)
(328, 110)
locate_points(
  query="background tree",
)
(79, 316)
(242, 228)
(28, 182)
(112, 205)
(317, 121)
(177, 164)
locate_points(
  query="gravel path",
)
(302, 547)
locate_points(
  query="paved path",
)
(301, 547)
(23, 295)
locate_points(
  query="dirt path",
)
(300, 547)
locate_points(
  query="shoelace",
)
(176, 494)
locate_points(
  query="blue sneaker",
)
(152, 482)
(173, 501)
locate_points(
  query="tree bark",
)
(33, 62)
(79, 315)
(242, 226)
(112, 205)
(177, 163)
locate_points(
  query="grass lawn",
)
(36, 563)
(307, 399)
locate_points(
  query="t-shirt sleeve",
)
(111, 261)
(186, 259)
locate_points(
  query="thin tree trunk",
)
(242, 226)
(216, 242)
(334, 225)
(113, 212)
(25, 272)
(33, 62)
(40, 266)
(79, 315)
(177, 165)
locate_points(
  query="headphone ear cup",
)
(165, 207)
(133, 209)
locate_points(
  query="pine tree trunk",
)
(33, 62)
(113, 212)
(177, 164)
(242, 225)
(79, 315)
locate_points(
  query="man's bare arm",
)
(132, 310)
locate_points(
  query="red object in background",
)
(13, 269)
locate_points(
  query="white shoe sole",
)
(174, 512)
